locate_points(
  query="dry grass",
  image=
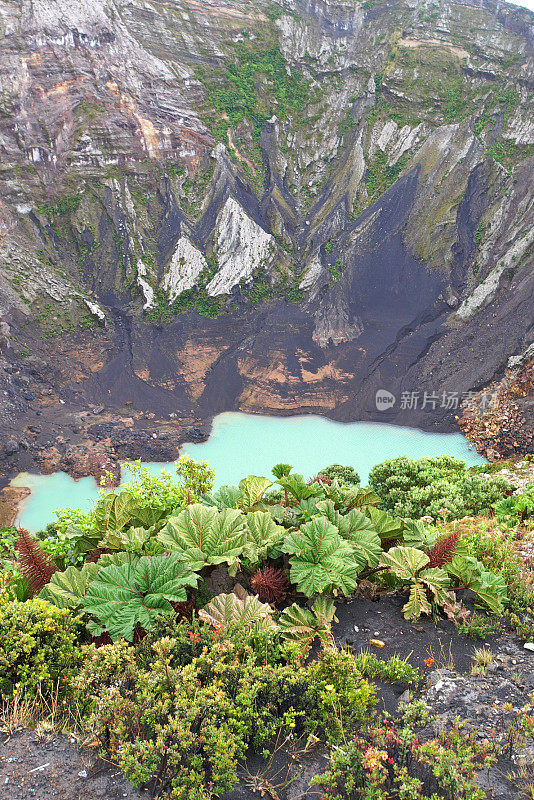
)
(441, 659)
(46, 714)
(482, 657)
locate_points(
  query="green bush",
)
(344, 698)
(393, 763)
(189, 723)
(344, 474)
(415, 488)
(516, 508)
(38, 646)
(497, 551)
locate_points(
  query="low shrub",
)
(436, 487)
(393, 763)
(517, 508)
(344, 697)
(345, 475)
(496, 549)
(179, 729)
(38, 646)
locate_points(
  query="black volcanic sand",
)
(22, 757)
(51, 767)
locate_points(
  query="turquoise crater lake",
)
(243, 444)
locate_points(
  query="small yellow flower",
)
(291, 724)
(329, 687)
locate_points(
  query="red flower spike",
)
(444, 550)
(35, 565)
(320, 478)
(271, 584)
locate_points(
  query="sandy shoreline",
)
(10, 499)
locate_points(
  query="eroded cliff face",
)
(267, 206)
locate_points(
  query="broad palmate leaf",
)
(133, 539)
(263, 536)
(434, 579)
(298, 487)
(122, 597)
(404, 562)
(114, 512)
(253, 488)
(320, 559)
(417, 602)
(118, 559)
(358, 530)
(299, 624)
(359, 498)
(437, 580)
(238, 609)
(490, 588)
(66, 589)
(384, 524)
(81, 541)
(416, 535)
(354, 523)
(200, 535)
(225, 497)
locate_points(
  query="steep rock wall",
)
(266, 206)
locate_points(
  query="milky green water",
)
(243, 444)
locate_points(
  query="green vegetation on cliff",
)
(255, 83)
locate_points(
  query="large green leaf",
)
(416, 535)
(278, 513)
(307, 507)
(225, 497)
(118, 559)
(367, 549)
(404, 562)
(113, 515)
(324, 610)
(203, 536)
(66, 589)
(81, 541)
(123, 597)
(324, 508)
(417, 602)
(253, 488)
(358, 530)
(320, 559)
(354, 523)
(114, 512)
(297, 486)
(240, 609)
(335, 493)
(438, 582)
(281, 470)
(466, 569)
(472, 574)
(491, 589)
(301, 625)
(134, 539)
(146, 516)
(263, 536)
(385, 525)
(360, 498)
